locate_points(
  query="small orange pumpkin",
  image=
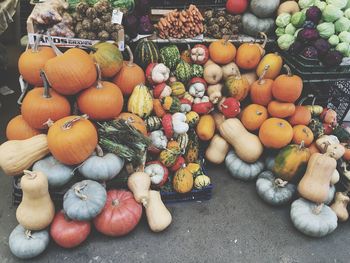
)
(19, 129)
(248, 56)
(253, 116)
(72, 140)
(313, 148)
(134, 121)
(222, 51)
(301, 116)
(302, 133)
(281, 109)
(287, 87)
(261, 90)
(158, 108)
(275, 133)
(130, 75)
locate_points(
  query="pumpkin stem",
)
(30, 174)
(99, 151)
(46, 94)
(24, 86)
(289, 71)
(280, 183)
(49, 123)
(226, 38)
(317, 209)
(131, 56)
(28, 234)
(302, 145)
(144, 202)
(99, 77)
(263, 74)
(78, 193)
(53, 46)
(262, 34)
(69, 124)
(141, 168)
(115, 202)
(88, 48)
(305, 98)
(36, 44)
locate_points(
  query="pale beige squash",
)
(339, 206)
(139, 184)
(217, 150)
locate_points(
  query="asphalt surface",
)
(234, 226)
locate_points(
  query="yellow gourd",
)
(339, 206)
(140, 101)
(139, 184)
(183, 180)
(158, 216)
(247, 145)
(314, 186)
(217, 150)
(206, 127)
(36, 211)
(275, 62)
(19, 155)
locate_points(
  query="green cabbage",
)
(333, 40)
(290, 29)
(331, 13)
(342, 24)
(279, 31)
(343, 48)
(298, 19)
(347, 13)
(306, 3)
(326, 29)
(344, 37)
(337, 3)
(283, 20)
(285, 41)
(320, 4)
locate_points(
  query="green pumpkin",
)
(171, 104)
(192, 149)
(183, 71)
(316, 127)
(168, 157)
(146, 52)
(178, 89)
(197, 71)
(170, 56)
(153, 123)
(126, 6)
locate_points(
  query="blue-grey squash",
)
(58, 174)
(312, 219)
(274, 191)
(264, 9)
(84, 200)
(25, 244)
(242, 170)
(252, 25)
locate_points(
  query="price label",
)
(117, 16)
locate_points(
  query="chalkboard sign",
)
(184, 3)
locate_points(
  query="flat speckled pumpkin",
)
(183, 181)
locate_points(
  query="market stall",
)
(112, 127)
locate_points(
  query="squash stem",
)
(144, 202)
(263, 74)
(69, 124)
(317, 209)
(36, 44)
(30, 174)
(99, 77)
(88, 48)
(53, 46)
(46, 94)
(28, 234)
(49, 123)
(302, 145)
(115, 202)
(78, 193)
(289, 71)
(280, 183)
(99, 151)
(263, 45)
(305, 98)
(131, 56)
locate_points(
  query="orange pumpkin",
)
(130, 75)
(32, 61)
(134, 121)
(313, 148)
(248, 56)
(103, 101)
(261, 90)
(346, 155)
(253, 116)
(42, 104)
(19, 129)
(222, 51)
(72, 140)
(302, 133)
(237, 87)
(287, 87)
(71, 72)
(301, 116)
(275, 133)
(281, 109)
(158, 108)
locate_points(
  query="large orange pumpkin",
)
(19, 129)
(42, 104)
(302, 133)
(275, 133)
(281, 109)
(287, 87)
(71, 72)
(237, 87)
(253, 116)
(261, 90)
(301, 116)
(102, 101)
(130, 75)
(222, 51)
(134, 121)
(32, 61)
(248, 56)
(72, 140)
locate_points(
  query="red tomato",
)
(236, 6)
(120, 215)
(68, 233)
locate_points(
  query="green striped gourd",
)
(197, 71)
(169, 156)
(192, 119)
(183, 71)
(153, 123)
(171, 104)
(182, 140)
(192, 149)
(170, 56)
(177, 89)
(140, 101)
(146, 52)
(316, 127)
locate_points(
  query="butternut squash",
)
(314, 186)
(247, 145)
(217, 150)
(206, 127)
(219, 118)
(339, 206)
(36, 210)
(139, 184)
(158, 216)
(19, 155)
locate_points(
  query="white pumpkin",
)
(158, 173)
(179, 123)
(159, 140)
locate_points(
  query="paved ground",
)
(235, 226)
